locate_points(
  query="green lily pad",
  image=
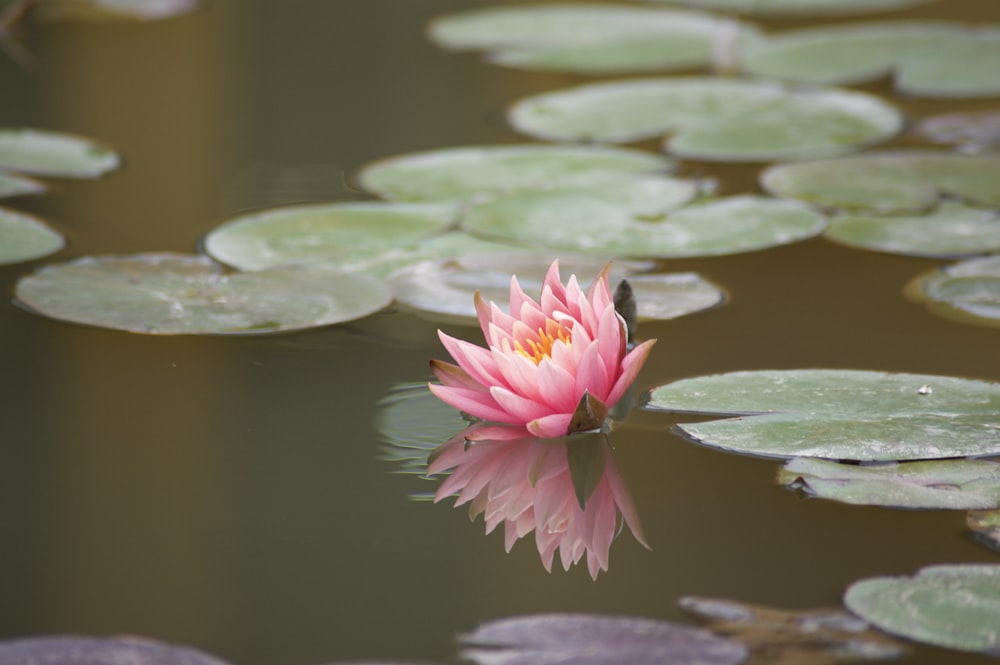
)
(929, 58)
(897, 181)
(23, 238)
(711, 118)
(592, 38)
(461, 173)
(839, 414)
(800, 7)
(444, 290)
(951, 230)
(952, 606)
(638, 219)
(15, 185)
(324, 233)
(968, 291)
(412, 423)
(141, 10)
(179, 294)
(970, 132)
(942, 484)
(50, 154)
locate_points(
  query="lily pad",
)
(591, 38)
(711, 118)
(839, 414)
(593, 639)
(968, 291)
(72, 650)
(986, 526)
(51, 154)
(970, 132)
(15, 185)
(952, 606)
(324, 233)
(412, 423)
(639, 219)
(444, 290)
(23, 238)
(469, 171)
(141, 10)
(929, 58)
(897, 181)
(800, 7)
(941, 484)
(951, 230)
(179, 294)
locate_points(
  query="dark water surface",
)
(227, 493)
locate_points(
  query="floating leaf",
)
(953, 606)
(640, 221)
(15, 185)
(840, 414)
(23, 238)
(945, 484)
(50, 154)
(986, 525)
(67, 650)
(444, 290)
(141, 10)
(178, 294)
(593, 639)
(593, 38)
(800, 7)
(711, 118)
(888, 181)
(951, 230)
(324, 233)
(412, 423)
(968, 291)
(971, 132)
(459, 173)
(936, 59)
(818, 637)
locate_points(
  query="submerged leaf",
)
(711, 118)
(413, 422)
(50, 154)
(23, 238)
(968, 291)
(72, 650)
(180, 294)
(952, 606)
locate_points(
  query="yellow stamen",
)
(542, 347)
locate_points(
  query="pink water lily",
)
(547, 360)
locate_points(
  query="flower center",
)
(537, 349)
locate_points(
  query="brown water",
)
(226, 493)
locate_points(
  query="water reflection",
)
(568, 491)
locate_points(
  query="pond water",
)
(229, 492)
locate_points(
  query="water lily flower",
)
(554, 365)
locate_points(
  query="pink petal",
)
(630, 367)
(599, 293)
(520, 410)
(591, 375)
(554, 282)
(455, 376)
(557, 386)
(519, 373)
(474, 402)
(518, 298)
(475, 360)
(499, 433)
(547, 427)
(613, 339)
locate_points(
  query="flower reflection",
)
(567, 491)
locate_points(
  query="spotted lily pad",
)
(951, 230)
(23, 238)
(952, 606)
(936, 59)
(593, 38)
(179, 294)
(15, 185)
(141, 10)
(943, 484)
(72, 650)
(897, 181)
(800, 7)
(839, 414)
(593, 639)
(465, 172)
(711, 118)
(324, 233)
(638, 219)
(51, 154)
(968, 291)
(444, 290)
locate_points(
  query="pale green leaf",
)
(51, 154)
(23, 238)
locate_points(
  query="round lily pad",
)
(15, 185)
(929, 58)
(800, 7)
(73, 650)
(445, 290)
(970, 132)
(952, 606)
(711, 118)
(638, 219)
(592, 38)
(896, 181)
(839, 414)
(51, 154)
(951, 230)
(180, 294)
(968, 291)
(324, 233)
(468, 171)
(412, 423)
(940, 484)
(141, 10)
(23, 238)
